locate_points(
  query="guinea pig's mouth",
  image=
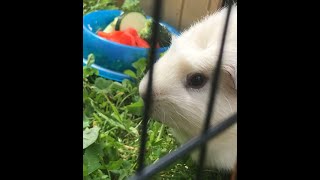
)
(158, 112)
(171, 116)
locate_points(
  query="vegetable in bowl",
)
(128, 37)
(134, 29)
(165, 35)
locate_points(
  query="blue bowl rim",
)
(107, 73)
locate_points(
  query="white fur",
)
(184, 109)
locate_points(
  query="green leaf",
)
(91, 160)
(115, 110)
(117, 86)
(102, 83)
(161, 54)
(127, 84)
(131, 6)
(136, 108)
(90, 60)
(140, 64)
(123, 175)
(86, 121)
(130, 73)
(90, 136)
(87, 71)
(110, 121)
(134, 130)
(88, 110)
(115, 165)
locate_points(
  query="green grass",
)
(112, 114)
(92, 5)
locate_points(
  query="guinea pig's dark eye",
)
(196, 80)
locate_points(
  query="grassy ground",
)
(112, 113)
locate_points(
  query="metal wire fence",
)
(207, 133)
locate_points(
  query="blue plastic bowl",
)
(111, 58)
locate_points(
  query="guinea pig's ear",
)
(232, 71)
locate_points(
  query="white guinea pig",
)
(181, 86)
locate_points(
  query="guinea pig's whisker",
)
(228, 102)
(176, 125)
(178, 113)
(186, 104)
